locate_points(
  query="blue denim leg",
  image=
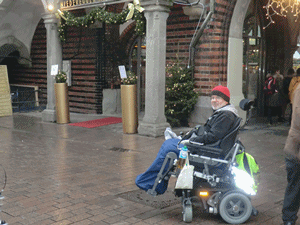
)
(146, 180)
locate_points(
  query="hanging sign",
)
(5, 98)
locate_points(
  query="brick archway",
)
(11, 44)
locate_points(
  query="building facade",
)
(233, 50)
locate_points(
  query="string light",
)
(281, 8)
(101, 15)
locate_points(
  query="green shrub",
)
(181, 96)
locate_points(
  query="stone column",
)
(54, 57)
(235, 55)
(154, 122)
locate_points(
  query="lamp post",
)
(54, 55)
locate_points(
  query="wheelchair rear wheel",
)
(235, 208)
(187, 213)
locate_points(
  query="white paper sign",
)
(122, 71)
(67, 69)
(54, 70)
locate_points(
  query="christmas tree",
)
(181, 96)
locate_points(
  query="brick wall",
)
(95, 56)
(210, 66)
(82, 48)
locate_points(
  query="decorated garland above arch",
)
(101, 15)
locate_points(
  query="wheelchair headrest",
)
(246, 104)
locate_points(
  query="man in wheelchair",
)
(221, 123)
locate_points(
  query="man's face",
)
(217, 102)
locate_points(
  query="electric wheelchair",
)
(215, 189)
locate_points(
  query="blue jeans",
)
(291, 200)
(146, 180)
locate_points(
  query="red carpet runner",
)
(98, 122)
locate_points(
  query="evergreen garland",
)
(100, 14)
(181, 96)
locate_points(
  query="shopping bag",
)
(185, 178)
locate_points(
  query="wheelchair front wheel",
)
(235, 208)
(187, 213)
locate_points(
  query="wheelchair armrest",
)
(207, 150)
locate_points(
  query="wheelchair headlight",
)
(244, 181)
(203, 193)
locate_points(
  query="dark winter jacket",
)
(218, 125)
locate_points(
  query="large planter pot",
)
(62, 103)
(129, 108)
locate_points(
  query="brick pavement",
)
(60, 174)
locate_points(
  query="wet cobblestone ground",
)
(60, 174)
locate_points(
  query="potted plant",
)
(131, 78)
(61, 77)
(61, 98)
(129, 103)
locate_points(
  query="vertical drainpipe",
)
(198, 35)
(100, 85)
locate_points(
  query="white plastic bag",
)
(185, 178)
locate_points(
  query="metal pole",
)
(138, 71)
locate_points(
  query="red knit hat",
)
(221, 91)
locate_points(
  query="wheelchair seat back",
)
(229, 140)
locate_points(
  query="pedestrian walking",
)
(291, 201)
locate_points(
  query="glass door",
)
(253, 57)
(252, 64)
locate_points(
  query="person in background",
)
(275, 101)
(291, 202)
(286, 83)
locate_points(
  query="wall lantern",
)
(50, 6)
(282, 8)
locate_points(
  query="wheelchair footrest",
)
(167, 166)
(152, 192)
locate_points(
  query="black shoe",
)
(289, 223)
